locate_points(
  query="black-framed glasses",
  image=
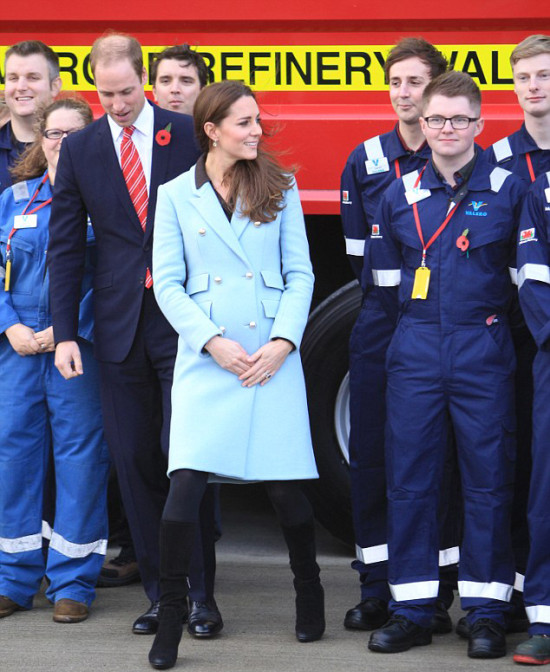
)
(458, 123)
(57, 133)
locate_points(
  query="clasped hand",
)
(258, 367)
(25, 341)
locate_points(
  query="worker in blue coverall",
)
(31, 76)
(534, 294)
(370, 169)
(442, 253)
(40, 410)
(525, 153)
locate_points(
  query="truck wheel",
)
(325, 359)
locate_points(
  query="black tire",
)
(325, 356)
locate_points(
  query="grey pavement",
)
(255, 596)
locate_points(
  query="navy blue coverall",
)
(534, 294)
(370, 169)
(450, 356)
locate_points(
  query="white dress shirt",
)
(142, 138)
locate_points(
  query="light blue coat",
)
(251, 282)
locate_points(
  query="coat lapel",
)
(212, 212)
(112, 167)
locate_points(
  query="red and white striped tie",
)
(136, 183)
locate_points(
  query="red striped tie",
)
(136, 183)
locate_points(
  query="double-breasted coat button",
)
(202, 232)
(252, 325)
(249, 275)
(217, 279)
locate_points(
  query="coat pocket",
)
(197, 283)
(270, 307)
(273, 280)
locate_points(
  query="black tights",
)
(187, 488)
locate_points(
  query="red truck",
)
(318, 69)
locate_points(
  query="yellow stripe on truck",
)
(304, 67)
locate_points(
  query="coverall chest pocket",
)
(24, 266)
(487, 249)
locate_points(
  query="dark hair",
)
(32, 163)
(181, 52)
(453, 84)
(411, 47)
(113, 46)
(257, 184)
(32, 47)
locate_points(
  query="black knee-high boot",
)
(310, 599)
(176, 544)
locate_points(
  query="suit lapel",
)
(112, 168)
(159, 169)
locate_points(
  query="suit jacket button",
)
(202, 232)
(217, 279)
(252, 325)
(249, 275)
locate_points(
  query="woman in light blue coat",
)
(232, 274)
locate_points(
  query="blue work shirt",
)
(9, 153)
(28, 300)
(370, 169)
(465, 286)
(511, 153)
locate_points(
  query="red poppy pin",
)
(462, 241)
(164, 136)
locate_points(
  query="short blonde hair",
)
(530, 46)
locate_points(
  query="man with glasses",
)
(441, 250)
(370, 169)
(31, 72)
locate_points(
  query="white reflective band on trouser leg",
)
(355, 247)
(372, 554)
(538, 614)
(538, 272)
(491, 591)
(449, 556)
(518, 583)
(32, 542)
(513, 275)
(419, 590)
(46, 530)
(389, 278)
(67, 548)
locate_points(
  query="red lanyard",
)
(530, 166)
(419, 227)
(397, 169)
(42, 205)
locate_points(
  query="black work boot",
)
(310, 597)
(176, 545)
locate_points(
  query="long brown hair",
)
(258, 184)
(32, 163)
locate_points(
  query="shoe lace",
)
(487, 623)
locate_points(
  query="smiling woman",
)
(36, 403)
(233, 276)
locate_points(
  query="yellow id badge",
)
(421, 283)
(8, 276)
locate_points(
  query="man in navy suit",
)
(133, 341)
